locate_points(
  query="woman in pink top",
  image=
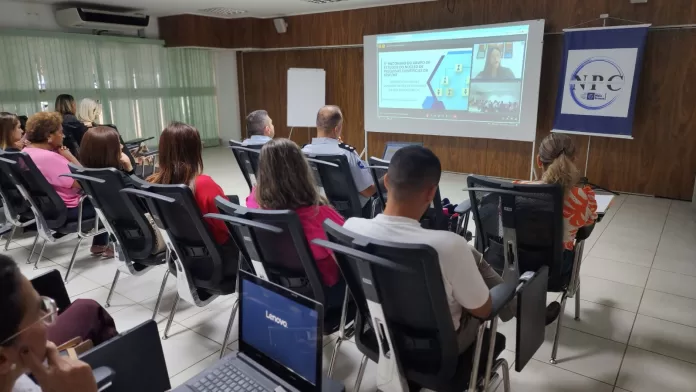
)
(285, 183)
(45, 132)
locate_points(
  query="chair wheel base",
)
(165, 337)
(553, 361)
(35, 268)
(576, 318)
(29, 262)
(107, 305)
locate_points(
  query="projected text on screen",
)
(466, 75)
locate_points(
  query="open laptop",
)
(392, 147)
(280, 335)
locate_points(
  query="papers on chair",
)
(604, 202)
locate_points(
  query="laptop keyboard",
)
(226, 378)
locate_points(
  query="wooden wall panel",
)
(661, 160)
(265, 87)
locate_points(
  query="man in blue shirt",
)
(259, 128)
(329, 128)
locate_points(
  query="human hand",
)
(59, 374)
(65, 152)
(125, 162)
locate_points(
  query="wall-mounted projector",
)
(84, 18)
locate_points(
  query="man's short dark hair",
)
(256, 122)
(329, 117)
(412, 169)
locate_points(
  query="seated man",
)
(412, 179)
(259, 128)
(327, 142)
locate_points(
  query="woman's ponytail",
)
(556, 153)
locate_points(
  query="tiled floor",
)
(637, 330)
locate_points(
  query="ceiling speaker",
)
(281, 25)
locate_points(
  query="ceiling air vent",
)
(222, 12)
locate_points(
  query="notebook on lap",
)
(280, 343)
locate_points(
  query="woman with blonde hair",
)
(277, 190)
(72, 127)
(88, 112)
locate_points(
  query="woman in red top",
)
(181, 162)
(285, 182)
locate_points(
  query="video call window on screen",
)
(466, 76)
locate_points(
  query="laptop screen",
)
(392, 147)
(283, 327)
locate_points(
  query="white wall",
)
(227, 95)
(41, 17)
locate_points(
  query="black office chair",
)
(17, 211)
(136, 359)
(50, 284)
(48, 208)
(335, 181)
(247, 158)
(124, 218)
(203, 269)
(535, 226)
(378, 169)
(73, 131)
(399, 289)
(274, 244)
(132, 150)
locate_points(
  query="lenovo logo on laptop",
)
(276, 319)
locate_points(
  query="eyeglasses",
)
(50, 313)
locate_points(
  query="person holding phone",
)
(24, 348)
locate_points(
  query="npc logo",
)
(596, 83)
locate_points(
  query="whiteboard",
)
(306, 95)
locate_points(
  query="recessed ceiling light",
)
(222, 12)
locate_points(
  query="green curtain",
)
(141, 85)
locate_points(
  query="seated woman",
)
(27, 321)
(73, 128)
(10, 132)
(276, 190)
(102, 148)
(45, 132)
(556, 159)
(181, 162)
(88, 113)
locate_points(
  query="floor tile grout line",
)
(192, 366)
(571, 371)
(618, 374)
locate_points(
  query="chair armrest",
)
(463, 207)
(148, 154)
(584, 232)
(83, 177)
(138, 140)
(104, 376)
(501, 295)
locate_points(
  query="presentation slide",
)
(480, 81)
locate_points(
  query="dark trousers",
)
(335, 294)
(88, 212)
(84, 318)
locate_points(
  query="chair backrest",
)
(335, 180)
(175, 211)
(413, 299)
(282, 255)
(136, 357)
(123, 214)
(50, 284)
(378, 169)
(40, 195)
(248, 160)
(14, 202)
(536, 216)
(73, 136)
